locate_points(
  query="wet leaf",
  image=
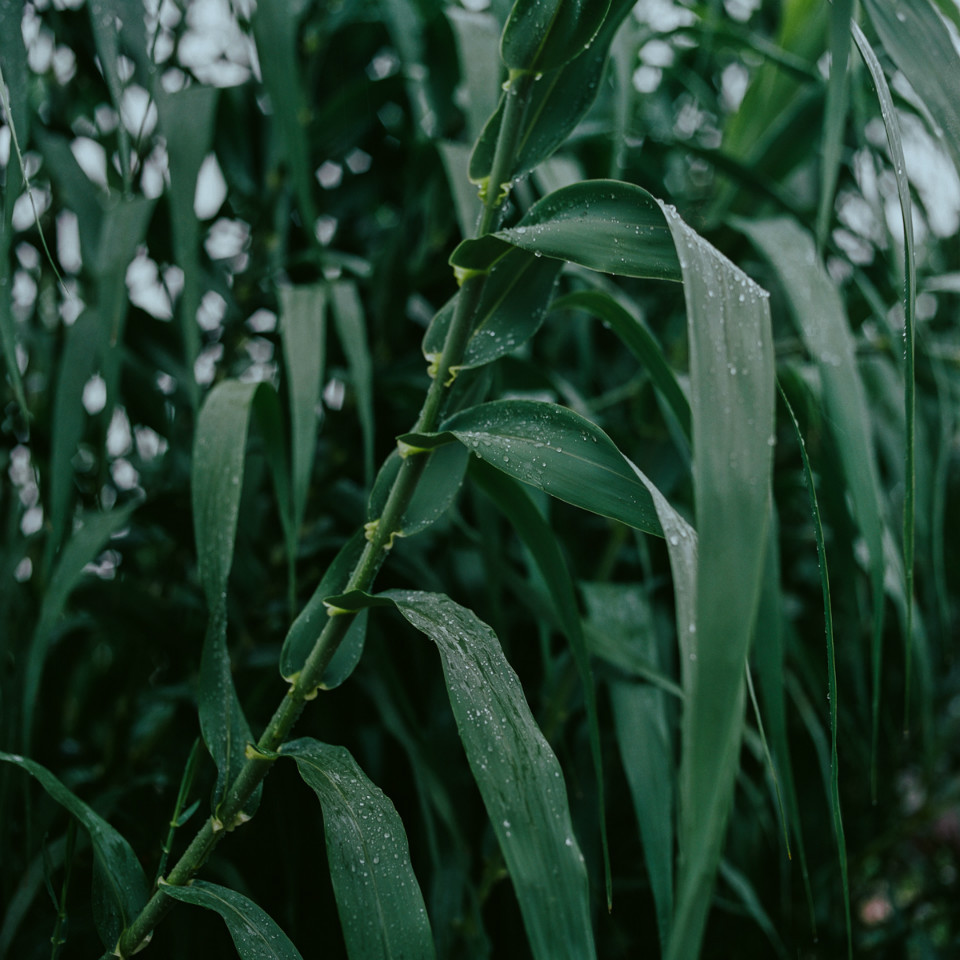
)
(545, 34)
(381, 909)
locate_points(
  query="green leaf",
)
(895, 143)
(217, 481)
(638, 340)
(535, 532)
(557, 451)
(120, 883)
(382, 914)
(303, 328)
(186, 119)
(918, 42)
(556, 103)
(435, 492)
(255, 934)
(821, 319)
(351, 328)
(306, 629)
(605, 225)
(542, 35)
(516, 771)
(88, 539)
(512, 305)
(477, 37)
(732, 403)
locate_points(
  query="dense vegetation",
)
(293, 291)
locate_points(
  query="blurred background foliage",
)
(228, 154)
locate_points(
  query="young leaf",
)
(516, 771)
(120, 878)
(255, 933)
(558, 451)
(436, 491)
(512, 305)
(306, 629)
(381, 909)
(545, 34)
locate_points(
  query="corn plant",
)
(297, 311)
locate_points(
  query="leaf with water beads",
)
(381, 908)
(542, 35)
(556, 450)
(516, 771)
(256, 935)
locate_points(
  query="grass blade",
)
(255, 934)
(831, 675)
(895, 143)
(382, 913)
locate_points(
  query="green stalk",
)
(380, 539)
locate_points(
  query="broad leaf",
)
(516, 771)
(556, 450)
(382, 914)
(255, 934)
(120, 885)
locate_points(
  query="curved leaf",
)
(556, 450)
(516, 771)
(605, 225)
(120, 880)
(381, 908)
(255, 933)
(542, 35)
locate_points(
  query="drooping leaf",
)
(516, 771)
(256, 935)
(557, 451)
(87, 540)
(542, 35)
(918, 42)
(350, 323)
(382, 914)
(511, 310)
(540, 540)
(120, 883)
(306, 629)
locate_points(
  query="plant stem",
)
(229, 814)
